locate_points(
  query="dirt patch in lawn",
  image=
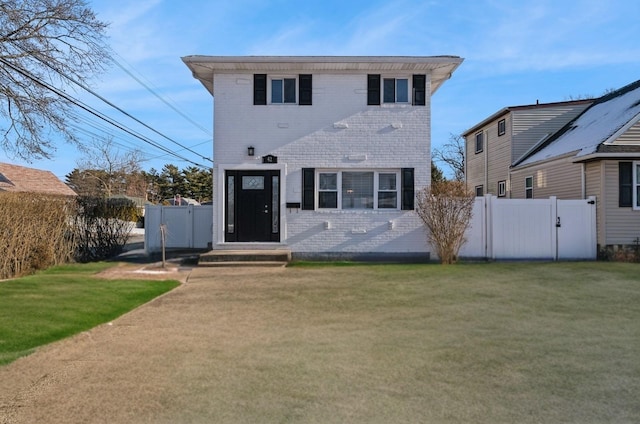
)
(153, 271)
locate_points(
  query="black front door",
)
(252, 206)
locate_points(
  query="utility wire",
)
(152, 91)
(95, 112)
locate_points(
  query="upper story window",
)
(479, 142)
(396, 90)
(282, 90)
(502, 127)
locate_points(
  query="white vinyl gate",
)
(532, 229)
(186, 227)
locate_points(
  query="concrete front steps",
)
(279, 257)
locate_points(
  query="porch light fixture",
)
(251, 150)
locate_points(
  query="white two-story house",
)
(321, 155)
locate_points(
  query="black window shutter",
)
(308, 188)
(419, 90)
(305, 89)
(625, 186)
(373, 89)
(259, 89)
(407, 189)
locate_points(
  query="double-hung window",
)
(395, 90)
(283, 90)
(528, 188)
(358, 190)
(479, 142)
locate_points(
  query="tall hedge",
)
(35, 232)
(38, 231)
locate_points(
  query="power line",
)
(152, 91)
(94, 112)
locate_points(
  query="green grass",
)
(63, 301)
(470, 343)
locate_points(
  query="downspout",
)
(485, 137)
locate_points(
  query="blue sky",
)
(515, 53)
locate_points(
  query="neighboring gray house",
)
(502, 139)
(597, 153)
(321, 155)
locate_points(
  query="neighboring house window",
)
(396, 90)
(528, 188)
(502, 188)
(502, 127)
(479, 142)
(283, 90)
(358, 190)
(479, 191)
(625, 185)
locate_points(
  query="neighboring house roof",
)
(508, 109)
(22, 179)
(595, 129)
(440, 67)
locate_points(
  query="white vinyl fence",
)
(532, 229)
(186, 227)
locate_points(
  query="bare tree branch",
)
(452, 155)
(45, 41)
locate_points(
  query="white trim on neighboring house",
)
(635, 184)
(622, 130)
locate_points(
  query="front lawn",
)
(63, 301)
(471, 343)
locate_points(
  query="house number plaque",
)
(269, 159)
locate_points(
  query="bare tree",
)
(44, 44)
(452, 155)
(446, 209)
(114, 170)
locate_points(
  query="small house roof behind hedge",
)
(17, 178)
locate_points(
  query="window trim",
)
(479, 134)
(502, 127)
(528, 188)
(502, 188)
(479, 189)
(635, 184)
(395, 90)
(376, 189)
(272, 78)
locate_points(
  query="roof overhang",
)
(440, 67)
